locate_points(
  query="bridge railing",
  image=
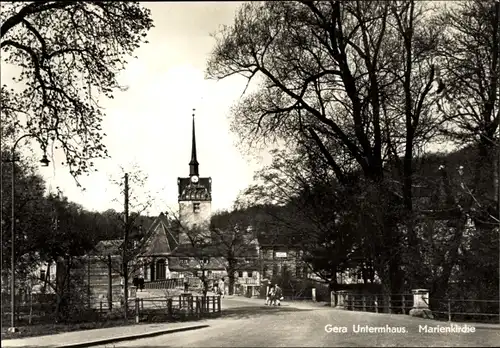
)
(180, 307)
(164, 284)
(379, 303)
(419, 304)
(453, 309)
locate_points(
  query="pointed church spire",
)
(193, 165)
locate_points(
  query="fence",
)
(151, 309)
(393, 304)
(441, 309)
(165, 284)
(465, 310)
(176, 308)
(193, 282)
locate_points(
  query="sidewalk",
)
(89, 338)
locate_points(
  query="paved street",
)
(249, 323)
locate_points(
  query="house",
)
(280, 258)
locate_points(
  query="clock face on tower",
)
(194, 179)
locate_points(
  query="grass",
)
(112, 319)
(51, 329)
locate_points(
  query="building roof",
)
(161, 238)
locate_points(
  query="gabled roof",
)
(161, 240)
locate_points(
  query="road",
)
(248, 323)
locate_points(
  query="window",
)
(240, 274)
(184, 261)
(250, 274)
(196, 207)
(42, 274)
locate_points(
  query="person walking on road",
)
(270, 295)
(221, 287)
(278, 295)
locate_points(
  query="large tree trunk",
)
(441, 283)
(230, 274)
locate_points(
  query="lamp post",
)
(44, 162)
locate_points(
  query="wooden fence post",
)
(180, 301)
(376, 303)
(213, 304)
(191, 308)
(136, 310)
(403, 297)
(363, 299)
(219, 304)
(198, 307)
(169, 307)
(449, 310)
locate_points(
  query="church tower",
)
(195, 196)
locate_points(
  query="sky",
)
(149, 125)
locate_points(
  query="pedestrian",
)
(221, 287)
(278, 295)
(270, 295)
(215, 287)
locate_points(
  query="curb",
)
(133, 337)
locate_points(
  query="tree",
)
(469, 108)
(327, 70)
(197, 246)
(333, 229)
(68, 53)
(136, 201)
(471, 76)
(65, 235)
(233, 238)
(29, 213)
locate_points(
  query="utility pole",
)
(125, 250)
(498, 200)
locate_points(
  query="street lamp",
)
(45, 163)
